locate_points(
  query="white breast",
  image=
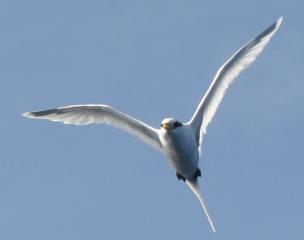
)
(180, 147)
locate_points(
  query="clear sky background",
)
(150, 59)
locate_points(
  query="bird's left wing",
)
(225, 76)
(102, 114)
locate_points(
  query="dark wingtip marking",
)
(270, 29)
(43, 113)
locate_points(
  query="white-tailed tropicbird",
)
(179, 142)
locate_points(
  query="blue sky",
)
(150, 59)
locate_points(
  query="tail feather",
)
(194, 186)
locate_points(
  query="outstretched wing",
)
(102, 114)
(225, 76)
(194, 186)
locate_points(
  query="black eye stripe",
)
(177, 124)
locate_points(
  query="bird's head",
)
(170, 124)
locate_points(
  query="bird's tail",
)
(194, 186)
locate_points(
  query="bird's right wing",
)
(194, 186)
(225, 76)
(102, 114)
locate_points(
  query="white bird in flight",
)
(180, 142)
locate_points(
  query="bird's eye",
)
(177, 124)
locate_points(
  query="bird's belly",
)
(183, 156)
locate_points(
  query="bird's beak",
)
(166, 126)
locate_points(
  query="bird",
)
(180, 142)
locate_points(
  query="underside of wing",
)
(225, 76)
(100, 114)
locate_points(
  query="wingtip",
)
(27, 114)
(42, 113)
(279, 21)
(30, 115)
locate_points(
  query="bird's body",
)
(180, 142)
(181, 148)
